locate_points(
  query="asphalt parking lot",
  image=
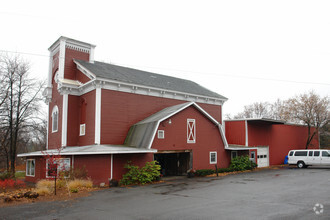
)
(285, 193)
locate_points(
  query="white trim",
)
(98, 115)
(61, 59)
(58, 170)
(64, 120)
(85, 71)
(50, 70)
(34, 168)
(216, 157)
(246, 134)
(111, 171)
(55, 110)
(91, 54)
(47, 135)
(191, 131)
(203, 112)
(82, 129)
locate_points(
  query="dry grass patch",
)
(43, 191)
(77, 183)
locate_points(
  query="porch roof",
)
(91, 149)
(239, 147)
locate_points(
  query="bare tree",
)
(255, 110)
(19, 107)
(311, 110)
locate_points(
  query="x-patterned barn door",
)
(191, 131)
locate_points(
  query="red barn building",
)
(271, 139)
(102, 115)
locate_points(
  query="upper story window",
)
(55, 119)
(161, 134)
(191, 131)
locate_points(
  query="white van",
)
(305, 158)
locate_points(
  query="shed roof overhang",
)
(269, 120)
(90, 150)
(239, 147)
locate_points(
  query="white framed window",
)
(57, 166)
(55, 119)
(161, 134)
(252, 155)
(82, 130)
(191, 131)
(213, 157)
(30, 167)
(233, 154)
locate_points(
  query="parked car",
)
(305, 158)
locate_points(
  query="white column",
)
(50, 70)
(98, 116)
(64, 120)
(246, 134)
(61, 59)
(111, 173)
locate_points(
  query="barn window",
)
(30, 167)
(161, 134)
(213, 157)
(191, 131)
(82, 130)
(233, 154)
(55, 119)
(57, 166)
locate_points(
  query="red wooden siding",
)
(286, 138)
(259, 133)
(121, 110)
(73, 121)
(98, 167)
(54, 139)
(208, 138)
(235, 132)
(70, 68)
(89, 137)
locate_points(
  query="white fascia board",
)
(145, 90)
(85, 71)
(242, 148)
(223, 137)
(38, 153)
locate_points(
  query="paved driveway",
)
(266, 194)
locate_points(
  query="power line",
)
(17, 52)
(192, 72)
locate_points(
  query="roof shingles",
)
(139, 77)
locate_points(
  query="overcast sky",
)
(247, 51)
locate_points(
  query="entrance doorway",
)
(173, 163)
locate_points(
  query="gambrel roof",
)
(139, 77)
(141, 134)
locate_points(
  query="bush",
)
(225, 170)
(242, 163)
(10, 183)
(5, 175)
(204, 172)
(45, 184)
(135, 175)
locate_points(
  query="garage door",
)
(263, 157)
